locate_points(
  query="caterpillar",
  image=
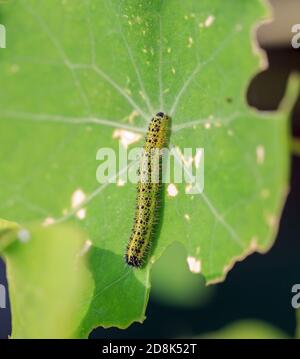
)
(148, 191)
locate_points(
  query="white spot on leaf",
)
(172, 190)
(126, 137)
(209, 21)
(78, 197)
(190, 42)
(188, 188)
(86, 247)
(187, 217)
(194, 264)
(120, 182)
(271, 220)
(81, 214)
(48, 221)
(253, 243)
(260, 154)
(23, 235)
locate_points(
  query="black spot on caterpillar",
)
(149, 190)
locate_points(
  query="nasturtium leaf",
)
(76, 75)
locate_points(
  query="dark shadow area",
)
(267, 88)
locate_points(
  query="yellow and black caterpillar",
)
(148, 191)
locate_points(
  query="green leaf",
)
(49, 282)
(74, 72)
(6, 229)
(248, 329)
